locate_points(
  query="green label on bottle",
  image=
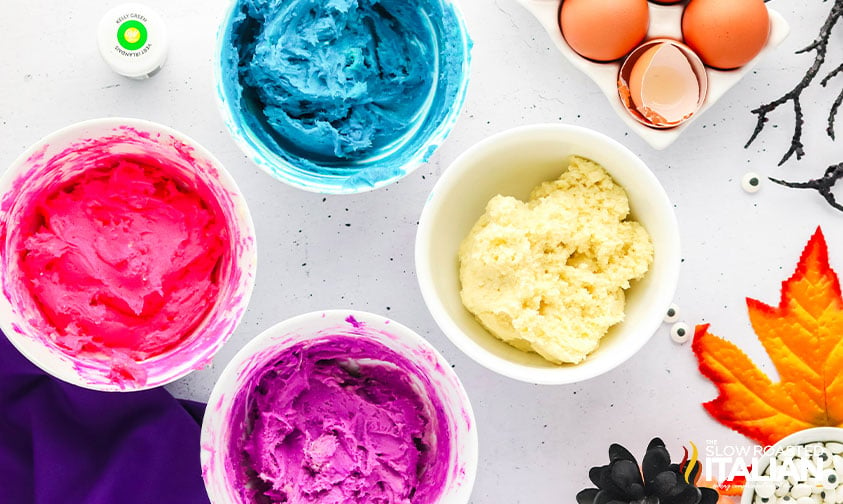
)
(132, 35)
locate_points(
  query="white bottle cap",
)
(133, 40)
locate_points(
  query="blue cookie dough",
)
(348, 89)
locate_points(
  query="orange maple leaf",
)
(803, 338)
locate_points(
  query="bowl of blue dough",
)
(341, 96)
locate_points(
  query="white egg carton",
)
(665, 21)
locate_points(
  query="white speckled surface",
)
(315, 252)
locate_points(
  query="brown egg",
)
(604, 30)
(726, 33)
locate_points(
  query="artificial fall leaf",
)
(803, 338)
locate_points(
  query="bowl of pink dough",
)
(342, 407)
(127, 254)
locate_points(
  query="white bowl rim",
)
(520, 372)
(317, 318)
(437, 138)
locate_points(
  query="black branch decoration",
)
(824, 185)
(820, 48)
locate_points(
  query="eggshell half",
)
(663, 85)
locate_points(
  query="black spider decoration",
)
(657, 481)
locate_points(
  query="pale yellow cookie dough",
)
(548, 275)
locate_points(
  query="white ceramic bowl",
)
(665, 22)
(47, 161)
(216, 426)
(812, 435)
(431, 125)
(512, 163)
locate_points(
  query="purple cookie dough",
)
(339, 419)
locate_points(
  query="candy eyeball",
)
(672, 314)
(680, 332)
(751, 182)
(809, 486)
(829, 480)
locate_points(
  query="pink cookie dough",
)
(122, 259)
(340, 420)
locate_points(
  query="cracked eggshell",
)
(662, 83)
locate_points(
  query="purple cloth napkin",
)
(64, 444)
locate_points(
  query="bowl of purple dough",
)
(343, 407)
